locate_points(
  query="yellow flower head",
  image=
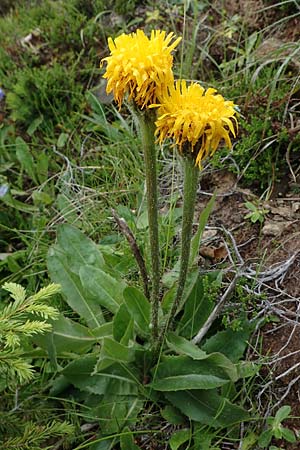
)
(140, 66)
(191, 115)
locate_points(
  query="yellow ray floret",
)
(189, 114)
(140, 66)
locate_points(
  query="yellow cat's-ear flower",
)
(190, 115)
(140, 66)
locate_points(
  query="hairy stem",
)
(147, 128)
(189, 198)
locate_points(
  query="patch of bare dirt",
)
(272, 249)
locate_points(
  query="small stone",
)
(272, 228)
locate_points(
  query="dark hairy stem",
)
(126, 231)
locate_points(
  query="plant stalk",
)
(147, 129)
(191, 174)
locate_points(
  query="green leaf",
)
(184, 347)
(265, 438)
(103, 331)
(74, 250)
(62, 140)
(79, 249)
(229, 342)
(123, 325)
(196, 240)
(42, 163)
(247, 369)
(139, 308)
(197, 308)
(170, 295)
(102, 287)
(66, 208)
(179, 437)
(127, 440)
(34, 125)
(282, 414)
(250, 206)
(176, 373)
(115, 351)
(68, 336)
(207, 407)
(172, 415)
(25, 158)
(41, 198)
(249, 441)
(113, 380)
(9, 200)
(288, 435)
(115, 411)
(60, 269)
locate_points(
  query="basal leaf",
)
(173, 415)
(207, 407)
(184, 347)
(169, 297)
(113, 380)
(127, 440)
(181, 372)
(115, 351)
(102, 287)
(68, 336)
(74, 293)
(229, 342)
(179, 437)
(115, 411)
(122, 325)
(79, 249)
(197, 308)
(139, 308)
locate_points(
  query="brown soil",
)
(274, 244)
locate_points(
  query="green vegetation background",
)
(68, 155)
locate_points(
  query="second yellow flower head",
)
(189, 114)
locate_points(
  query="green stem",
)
(191, 173)
(147, 128)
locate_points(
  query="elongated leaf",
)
(72, 251)
(282, 414)
(116, 411)
(229, 342)
(170, 295)
(197, 308)
(140, 309)
(207, 407)
(179, 437)
(79, 249)
(113, 380)
(123, 325)
(102, 287)
(180, 373)
(68, 336)
(117, 352)
(103, 331)
(9, 200)
(184, 347)
(196, 240)
(75, 294)
(173, 415)
(24, 156)
(127, 440)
